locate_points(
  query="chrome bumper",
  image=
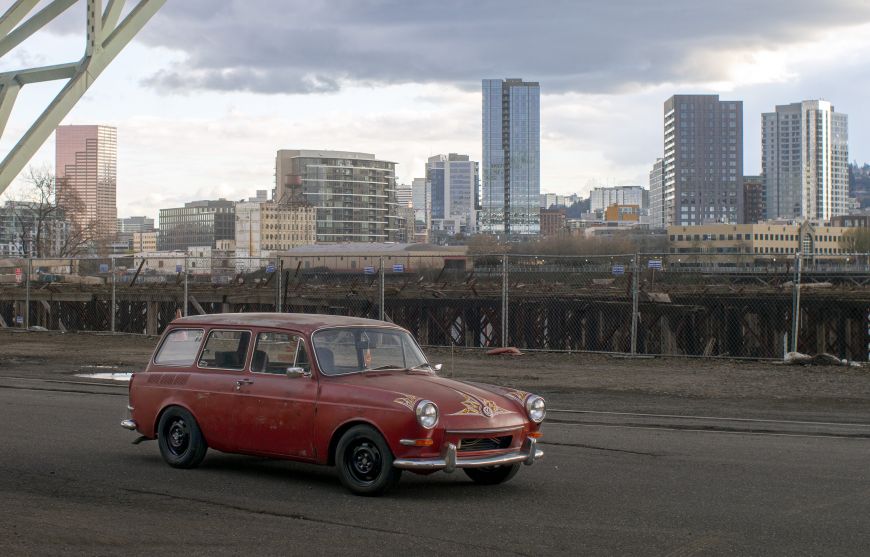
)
(528, 454)
(129, 424)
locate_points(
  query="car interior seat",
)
(260, 361)
(326, 359)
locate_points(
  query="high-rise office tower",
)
(703, 162)
(805, 161)
(421, 201)
(404, 195)
(198, 223)
(601, 198)
(86, 162)
(510, 204)
(753, 200)
(354, 193)
(656, 192)
(453, 181)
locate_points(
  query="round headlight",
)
(427, 414)
(536, 409)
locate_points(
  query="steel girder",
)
(105, 40)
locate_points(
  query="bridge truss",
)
(106, 36)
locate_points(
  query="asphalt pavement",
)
(72, 483)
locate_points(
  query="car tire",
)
(181, 442)
(492, 475)
(365, 462)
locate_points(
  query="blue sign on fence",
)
(104, 267)
(398, 268)
(618, 270)
(369, 270)
(270, 268)
(178, 268)
(655, 264)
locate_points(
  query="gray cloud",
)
(312, 46)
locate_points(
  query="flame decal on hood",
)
(478, 406)
(408, 401)
(516, 394)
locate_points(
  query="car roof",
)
(303, 322)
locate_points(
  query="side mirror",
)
(297, 372)
(437, 367)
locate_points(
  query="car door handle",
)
(241, 382)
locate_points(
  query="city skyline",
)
(599, 113)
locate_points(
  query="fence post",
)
(27, 293)
(635, 295)
(279, 268)
(381, 288)
(504, 301)
(112, 309)
(796, 303)
(184, 312)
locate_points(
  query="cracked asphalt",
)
(628, 471)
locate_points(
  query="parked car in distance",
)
(355, 393)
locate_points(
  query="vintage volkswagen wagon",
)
(355, 393)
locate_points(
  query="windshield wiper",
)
(417, 367)
(386, 367)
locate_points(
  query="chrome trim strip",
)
(449, 462)
(492, 430)
(129, 424)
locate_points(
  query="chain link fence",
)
(704, 305)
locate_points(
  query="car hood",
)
(461, 405)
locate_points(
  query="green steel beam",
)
(39, 20)
(105, 40)
(15, 14)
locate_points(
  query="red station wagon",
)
(355, 393)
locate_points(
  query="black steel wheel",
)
(365, 462)
(492, 475)
(181, 442)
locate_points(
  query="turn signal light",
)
(423, 442)
(536, 434)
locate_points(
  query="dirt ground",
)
(596, 381)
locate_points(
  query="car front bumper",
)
(528, 454)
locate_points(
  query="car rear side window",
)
(225, 350)
(179, 348)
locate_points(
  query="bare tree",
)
(856, 240)
(41, 214)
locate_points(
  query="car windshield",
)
(354, 349)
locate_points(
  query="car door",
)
(220, 373)
(274, 411)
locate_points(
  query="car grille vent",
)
(484, 443)
(167, 378)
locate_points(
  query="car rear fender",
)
(172, 404)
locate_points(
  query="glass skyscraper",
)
(510, 206)
(453, 181)
(86, 161)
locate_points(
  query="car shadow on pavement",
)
(285, 473)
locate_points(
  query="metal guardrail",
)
(623, 303)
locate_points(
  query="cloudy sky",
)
(212, 88)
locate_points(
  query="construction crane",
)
(106, 37)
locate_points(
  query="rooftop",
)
(360, 248)
(305, 322)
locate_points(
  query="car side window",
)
(275, 352)
(302, 359)
(225, 350)
(179, 348)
